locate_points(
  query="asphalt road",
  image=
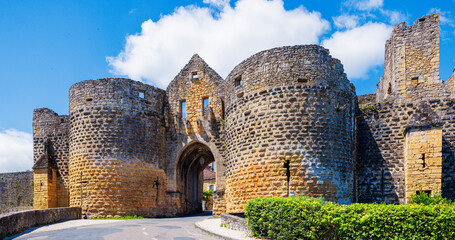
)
(153, 228)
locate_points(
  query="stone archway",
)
(190, 166)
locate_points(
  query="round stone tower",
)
(116, 148)
(289, 127)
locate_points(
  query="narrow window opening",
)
(62, 120)
(302, 80)
(389, 90)
(423, 161)
(142, 95)
(382, 183)
(240, 95)
(205, 103)
(222, 109)
(121, 100)
(415, 81)
(238, 81)
(214, 166)
(89, 99)
(183, 108)
(288, 173)
(194, 75)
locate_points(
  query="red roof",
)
(209, 173)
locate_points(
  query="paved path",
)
(153, 228)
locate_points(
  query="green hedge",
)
(309, 218)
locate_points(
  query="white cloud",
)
(444, 16)
(217, 3)
(359, 49)
(395, 17)
(16, 151)
(346, 21)
(162, 48)
(365, 5)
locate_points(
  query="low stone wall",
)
(16, 192)
(15, 222)
(236, 221)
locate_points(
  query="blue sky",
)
(46, 46)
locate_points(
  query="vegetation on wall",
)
(310, 218)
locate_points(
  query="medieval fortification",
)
(285, 121)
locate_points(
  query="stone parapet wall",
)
(17, 222)
(16, 191)
(308, 64)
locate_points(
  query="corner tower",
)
(289, 127)
(116, 148)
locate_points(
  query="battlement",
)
(411, 64)
(116, 92)
(302, 65)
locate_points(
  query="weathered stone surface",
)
(285, 121)
(16, 191)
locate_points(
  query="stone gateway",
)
(285, 121)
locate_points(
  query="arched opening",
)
(191, 163)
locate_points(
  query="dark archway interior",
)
(191, 164)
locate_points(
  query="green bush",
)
(309, 218)
(206, 194)
(425, 199)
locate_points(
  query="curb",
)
(213, 233)
(197, 225)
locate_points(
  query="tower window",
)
(423, 161)
(205, 103)
(194, 75)
(389, 90)
(302, 80)
(183, 108)
(238, 81)
(142, 95)
(415, 81)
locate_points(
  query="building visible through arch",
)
(285, 120)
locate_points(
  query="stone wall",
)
(423, 161)
(17, 222)
(16, 191)
(45, 188)
(381, 147)
(292, 128)
(117, 147)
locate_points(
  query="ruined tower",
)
(411, 64)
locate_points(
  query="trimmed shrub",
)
(309, 218)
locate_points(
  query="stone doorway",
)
(191, 163)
